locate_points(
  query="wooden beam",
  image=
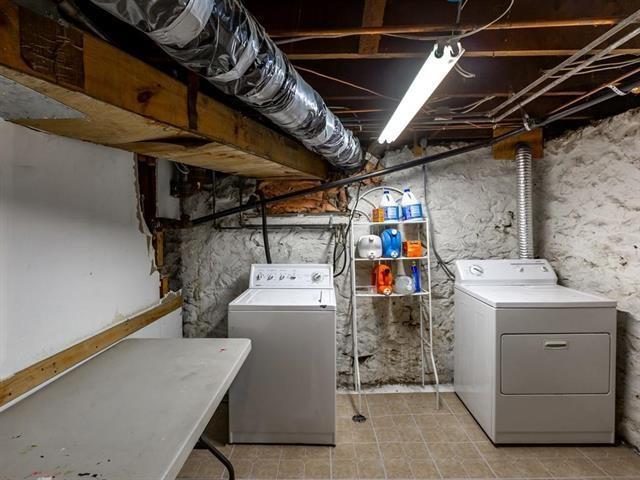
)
(366, 98)
(467, 54)
(506, 150)
(38, 373)
(372, 16)
(128, 104)
(365, 30)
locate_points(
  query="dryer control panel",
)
(505, 272)
(288, 275)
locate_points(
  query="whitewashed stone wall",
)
(587, 214)
(471, 199)
(588, 226)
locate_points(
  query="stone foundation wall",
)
(471, 200)
(587, 224)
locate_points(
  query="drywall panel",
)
(73, 258)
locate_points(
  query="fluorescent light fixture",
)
(429, 77)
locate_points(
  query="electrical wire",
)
(463, 73)
(439, 261)
(405, 36)
(472, 106)
(457, 36)
(182, 168)
(604, 67)
(344, 82)
(342, 242)
(265, 233)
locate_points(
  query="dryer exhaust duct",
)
(524, 201)
(222, 42)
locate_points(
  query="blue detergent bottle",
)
(391, 243)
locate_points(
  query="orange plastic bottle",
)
(382, 278)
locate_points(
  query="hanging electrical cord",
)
(462, 72)
(472, 106)
(405, 36)
(181, 168)
(265, 233)
(342, 242)
(457, 36)
(439, 260)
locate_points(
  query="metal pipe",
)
(523, 201)
(634, 33)
(170, 223)
(596, 90)
(580, 53)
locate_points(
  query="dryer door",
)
(543, 364)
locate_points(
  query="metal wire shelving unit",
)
(418, 230)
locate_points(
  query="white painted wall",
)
(73, 259)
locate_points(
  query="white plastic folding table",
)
(135, 411)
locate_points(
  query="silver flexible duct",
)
(524, 201)
(222, 42)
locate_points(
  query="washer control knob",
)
(292, 277)
(282, 276)
(476, 270)
(545, 269)
(259, 276)
(316, 276)
(270, 277)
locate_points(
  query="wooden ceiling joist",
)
(128, 104)
(372, 16)
(468, 54)
(368, 30)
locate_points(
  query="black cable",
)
(345, 239)
(265, 233)
(169, 223)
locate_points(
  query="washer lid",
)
(290, 299)
(534, 296)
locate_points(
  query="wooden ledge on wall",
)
(44, 370)
(506, 149)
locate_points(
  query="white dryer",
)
(534, 361)
(286, 390)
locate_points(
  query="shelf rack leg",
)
(358, 417)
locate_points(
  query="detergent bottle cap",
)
(407, 189)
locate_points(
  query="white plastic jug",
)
(411, 207)
(369, 246)
(389, 206)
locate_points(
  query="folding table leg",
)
(219, 455)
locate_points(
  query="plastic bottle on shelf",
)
(402, 284)
(389, 206)
(415, 273)
(411, 207)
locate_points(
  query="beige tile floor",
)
(405, 437)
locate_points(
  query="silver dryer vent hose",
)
(524, 201)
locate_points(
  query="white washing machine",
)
(286, 390)
(534, 361)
